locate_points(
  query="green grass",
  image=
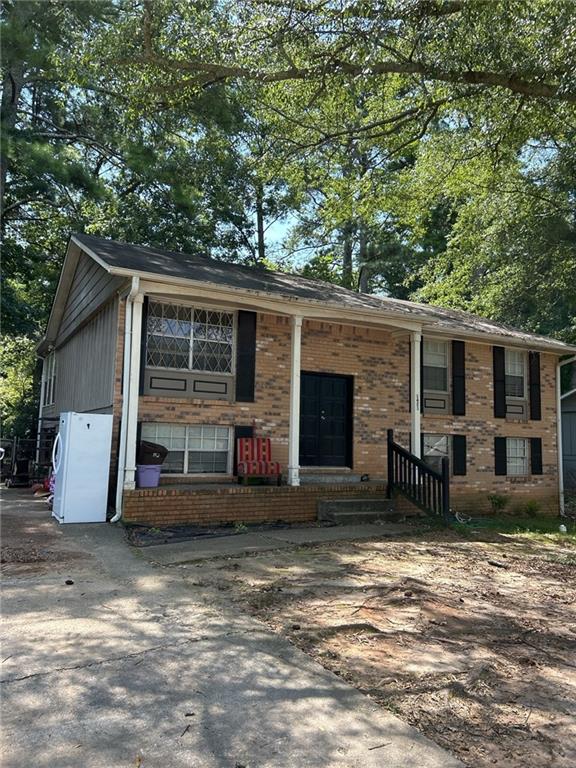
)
(535, 526)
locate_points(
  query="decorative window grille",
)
(435, 448)
(516, 456)
(189, 339)
(435, 366)
(199, 449)
(515, 373)
(49, 379)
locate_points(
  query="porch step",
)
(350, 511)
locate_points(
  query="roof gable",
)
(84, 286)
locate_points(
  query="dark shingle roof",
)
(155, 261)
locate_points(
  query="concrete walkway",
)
(136, 665)
(205, 548)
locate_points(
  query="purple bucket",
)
(148, 475)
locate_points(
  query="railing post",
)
(445, 489)
(390, 457)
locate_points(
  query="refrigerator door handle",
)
(56, 465)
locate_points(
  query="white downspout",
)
(294, 416)
(128, 320)
(132, 425)
(561, 363)
(415, 389)
(40, 409)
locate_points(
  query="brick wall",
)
(470, 492)
(166, 506)
(379, 363)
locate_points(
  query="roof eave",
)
(369, 314)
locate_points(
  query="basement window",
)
(198, 449)
(517, 456)
(435, 448)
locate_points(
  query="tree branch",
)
(205, 71)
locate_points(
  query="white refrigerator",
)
(81, 463)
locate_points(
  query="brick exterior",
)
(379, 363)
(206, 506)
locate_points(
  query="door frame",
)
(350, 413)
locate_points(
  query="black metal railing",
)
(412, 477)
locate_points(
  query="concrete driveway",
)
(133, 664)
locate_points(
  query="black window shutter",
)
(534, 383)
(459, 459)
(458, 378)
(500, 463)
(499, 382)
(536, 455)
(138, 438)
(143, 345)
(240, 431)
(246, 357)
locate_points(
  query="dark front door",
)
(325, 420)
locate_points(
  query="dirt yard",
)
(470, 638)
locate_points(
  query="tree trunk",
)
(11, 91)
(260, 223)
(347, 256)
(363, 270)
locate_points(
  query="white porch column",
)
(294, 429)
(133, 393)
(415, 389)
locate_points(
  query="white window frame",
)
(49, 380)
(446, 346)
(437, 436)
(187, 427)
(524, 356)
(525, 469)
(201, 308)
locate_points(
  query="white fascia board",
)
(64, 282)
(325, 310)
(96, 258)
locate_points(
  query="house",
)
(192, 352)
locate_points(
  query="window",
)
(189, 339)
(172, 437)
(435, 448)
(191, 449)
(516, 456)
(49, 379)
(208, 449)
(515, 372)
(435, 366)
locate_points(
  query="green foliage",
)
(18, 402)
(498, 502)
(529, 508)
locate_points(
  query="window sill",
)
(228, 374)
(203, 401)
(173, 477)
